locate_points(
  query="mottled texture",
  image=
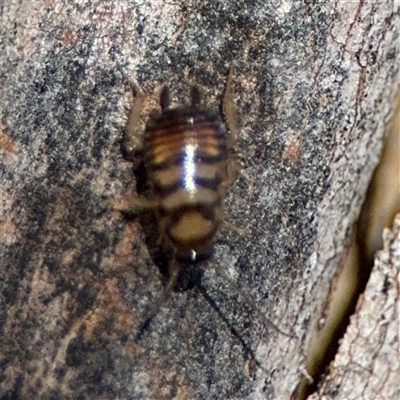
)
(367, 365)
(314, 86)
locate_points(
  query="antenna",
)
(267, 322)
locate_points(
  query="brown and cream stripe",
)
(185, 156)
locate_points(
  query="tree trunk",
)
(314, 87)
(367, 363)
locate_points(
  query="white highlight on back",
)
(192, 255)
(189, 169)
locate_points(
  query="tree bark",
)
(367, 363)
(314, 86)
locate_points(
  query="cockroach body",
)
(191, 161)
(186, 153)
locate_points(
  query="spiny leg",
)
(234, 158)
(132, 141)
(225, 225)
(230, 171)
(132, 204)
(174, 271)
(230, 112)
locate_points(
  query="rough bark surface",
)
(314, 87)
(367, 365)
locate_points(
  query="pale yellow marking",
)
(132, 204)
(210, 149)
(168, 176)
(162, 153)
(165, 145)
(208, 171)
(165, 135)
(191, 226)
(181, 198)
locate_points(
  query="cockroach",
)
(191, 161)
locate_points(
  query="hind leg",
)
(133, 138)
(230, 113)
(234, 157)
(174, 270)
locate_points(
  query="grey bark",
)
(314, 86)
(367, 365)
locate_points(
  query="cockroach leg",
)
(231, 171)
(133, 139)
(174, 270)
(232, 227)
(133, 205)
(230, 113)
(266, 321)
(234, 158)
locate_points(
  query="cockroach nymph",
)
(191, 161)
